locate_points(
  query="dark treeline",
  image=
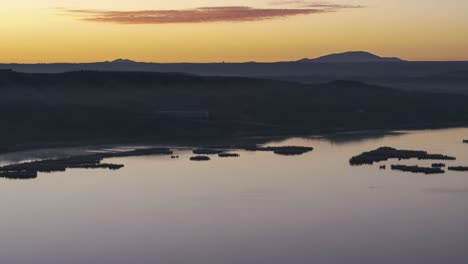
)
(97, 107)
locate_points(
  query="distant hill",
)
(368, 68)
(120, 61)
(352, 57)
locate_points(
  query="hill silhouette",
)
(352, 57)
(117, 106)
(369, 68)
(118, 61)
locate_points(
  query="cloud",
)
(199, 15)
(314, 4)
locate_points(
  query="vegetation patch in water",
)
(438, 165)
(286, 150)
(417, 169)
(200, 158)
(458, 168)
(386, 153)
(18, 175)
(29, 170)
(228, 155)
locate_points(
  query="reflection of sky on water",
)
(259, 208)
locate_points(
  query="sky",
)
(43, 31)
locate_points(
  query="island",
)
(386, 153)
(200, 158)
(228, 155)
(438, 165)
(30, 170)
(286, 150)
(458, 168)
(417, 169)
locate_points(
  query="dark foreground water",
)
(259, 208)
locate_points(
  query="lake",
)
(259, 208)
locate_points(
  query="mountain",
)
(352, 57)
(122, 61)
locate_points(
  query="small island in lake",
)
(200, 158)
(386, 153)
(228, 155)
(438, 165)
(286, 150)
(417, 169)
(458, 168)
(30, 170)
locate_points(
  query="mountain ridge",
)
(120, 61)
(352, 57)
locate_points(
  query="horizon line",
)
(127, 60)
(215, 62)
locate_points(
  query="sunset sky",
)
(226, 30)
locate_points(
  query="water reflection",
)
(360, 136)
(258, 208)
(463, 191)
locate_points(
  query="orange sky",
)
(257, 30)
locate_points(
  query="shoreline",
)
(228, 142)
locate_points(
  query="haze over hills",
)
(451, 76)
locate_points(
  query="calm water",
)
(260, 208)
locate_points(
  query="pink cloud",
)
(314, 4)
(200, 15)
